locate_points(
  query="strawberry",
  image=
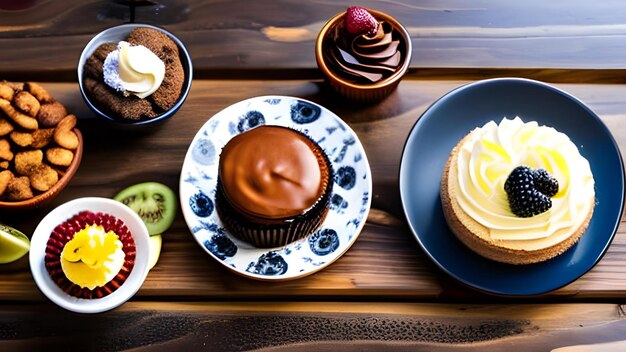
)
(359, 21)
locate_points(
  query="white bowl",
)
(65, 211)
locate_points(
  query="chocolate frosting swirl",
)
(365, 59)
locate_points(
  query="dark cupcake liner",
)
(363, 95)
(64, 232)
(276, 234)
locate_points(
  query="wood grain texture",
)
(385, 262)
(321, 326)
(236, 35)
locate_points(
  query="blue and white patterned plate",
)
(350, 200)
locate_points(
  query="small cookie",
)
(5, 177)
(42, 137)
(27, 162)
(23, 120)
(5, 127)
(22, 139)
(39, 92)
(6, 92)
(16, 86)
(27, 103)
(19, 189)
(59, 156)
(50, 114)
(63, 134)
(5, 150)
(43, 178)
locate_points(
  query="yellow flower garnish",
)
(92, 257)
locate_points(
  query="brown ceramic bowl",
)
(47, 196)
(363, 92)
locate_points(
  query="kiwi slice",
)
(155, 203)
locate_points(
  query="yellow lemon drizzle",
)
(561, 164)
(487, 158)
(526, 135)
(491, 172)
(86, 258)
(497, 148)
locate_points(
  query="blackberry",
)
(545, 183)
(526, 199)
(520, 176)
(529, 203)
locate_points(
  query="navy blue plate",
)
(454, 115)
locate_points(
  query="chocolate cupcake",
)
(273, 186)
(363, 53)
(90, 255)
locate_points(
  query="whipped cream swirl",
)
(488, 156)
(133, 69)
(365, 58)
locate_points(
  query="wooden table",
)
(384, 293)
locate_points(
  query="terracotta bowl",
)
(363, 92)
(41, 199)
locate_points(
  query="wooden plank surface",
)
(262, 36)
(241, 49)
(321, 326)
(385, 262)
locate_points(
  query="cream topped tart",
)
(90, 255)
(517, 192)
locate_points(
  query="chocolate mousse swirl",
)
(365, 58)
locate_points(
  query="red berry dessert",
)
(90, 255)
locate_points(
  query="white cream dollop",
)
(133, 69)
(489, 155)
